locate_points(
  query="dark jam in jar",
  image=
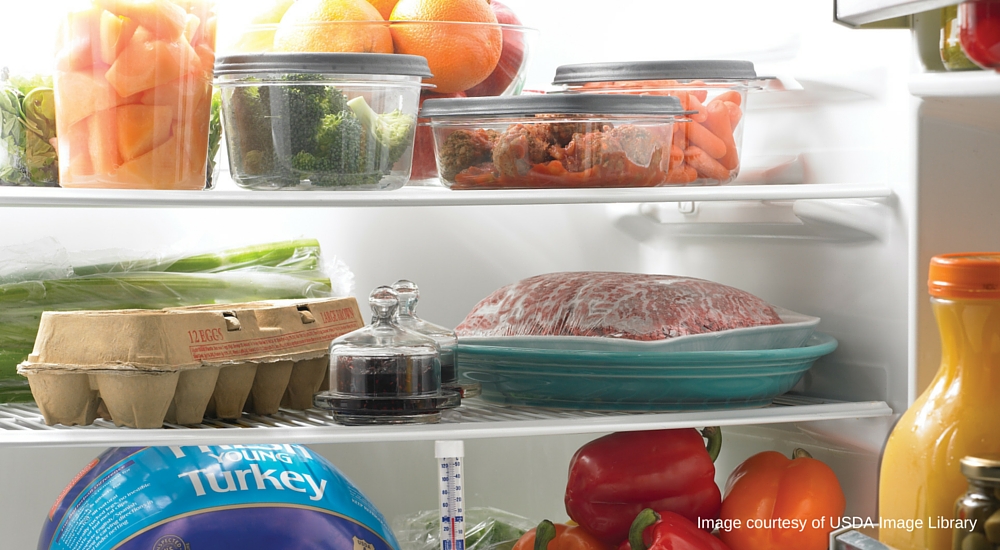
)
(397, 375)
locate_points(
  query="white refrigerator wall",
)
(850, 262)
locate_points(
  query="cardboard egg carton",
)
(144, 367)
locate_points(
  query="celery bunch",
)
(290, 269)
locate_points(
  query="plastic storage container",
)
(133, 94)
(978, 510)
(956, 415)
(553, 141)
(27, 128)
(385, 374)
(320, 120)
(709, 147)
(979, 32)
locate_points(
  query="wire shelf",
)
(22, 425)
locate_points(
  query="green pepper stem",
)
(714, 436)
(645, 518)
(800, 453)
(544, 533)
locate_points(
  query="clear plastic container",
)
(327, 121)
(553, 141)
(979, 32)
(707, 150)
(385, 374)
(133, 94)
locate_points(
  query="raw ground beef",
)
(615, 305)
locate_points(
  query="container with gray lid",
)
(554, 140)
(714, 90)
(320, 121)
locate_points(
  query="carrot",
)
(731, 95)
(694, 104)
(705, 164)
(719, 124)
(735, 113)
(705, 139)
(676, 156)
(681, 174)
(680, 135)
(702, 95)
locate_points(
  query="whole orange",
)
(384, 7)
(460, 54)
(317, 26)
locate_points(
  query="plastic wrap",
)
(47, 281)
(615, 305)
(485, 529)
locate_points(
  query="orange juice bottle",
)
(957, 416)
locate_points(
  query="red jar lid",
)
(967, 275)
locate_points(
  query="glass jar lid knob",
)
(408, 294)
(384, 302)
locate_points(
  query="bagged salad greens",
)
(27, 131)
(485, 529)
(31, 283)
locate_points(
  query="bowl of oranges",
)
(474, 48)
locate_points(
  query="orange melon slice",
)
(161, 168)
(80, 94)
(74, 153)
(111, 30)
(163, 18)
(103, 142)
(141, 128)
(147, 63)
(191, 25)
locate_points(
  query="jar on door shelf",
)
(952, 56)
(979, 32)
(978, 510)
(385, 374)
(957, 415)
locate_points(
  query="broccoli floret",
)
(254, 148)
(339, 142)
(392, 133)
(308, 104)
(305, 162)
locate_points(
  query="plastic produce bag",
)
(46, 280)
(485, 529)
(27, 131)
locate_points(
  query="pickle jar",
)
(952, 56)
(978, 25)
(978, 511)
(446, 338)
(385, 374)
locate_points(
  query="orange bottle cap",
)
(965, 276)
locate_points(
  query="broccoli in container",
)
(311, 128)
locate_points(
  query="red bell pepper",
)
(668, 531)
(613, 478)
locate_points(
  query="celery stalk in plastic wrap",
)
(31, 284)
(485, 529)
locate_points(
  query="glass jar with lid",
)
(385, 374)
(952, 56)
(978, 511)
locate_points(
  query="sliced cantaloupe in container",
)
(161, 168)
(103, 141)
(193, 136)
(74, 145)
(77, 55)
(111, 30)
(191, 25)
(207, 35)
(181, 94)
(163, 18)
(77, 24)
(129, 28)
(147, 63)
(141, 128)
(80, 94)
(206, 56)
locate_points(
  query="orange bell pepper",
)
(558, 537)
(776, 503)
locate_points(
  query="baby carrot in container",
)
(716, 92)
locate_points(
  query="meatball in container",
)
(320, 121)
(554, 141)
(716, 92)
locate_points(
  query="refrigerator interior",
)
(847, 117)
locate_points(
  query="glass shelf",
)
(956, 84)
(423, 196)
(21, 425)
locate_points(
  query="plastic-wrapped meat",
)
(466, 148)
(610, 150)
(520, 147)
(615, 305)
